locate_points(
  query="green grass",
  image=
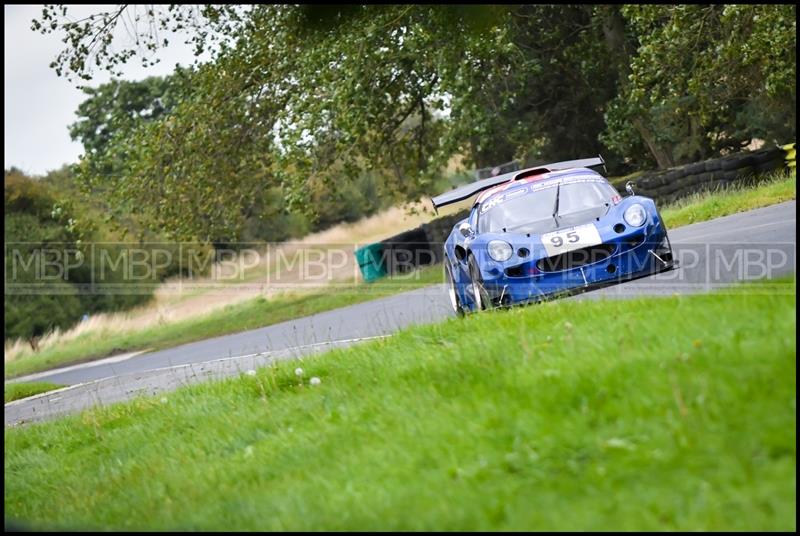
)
(709, 205)
(675, 413)
(250, 314)
(15, 391)
(259, 312)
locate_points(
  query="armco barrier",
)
(423, 245)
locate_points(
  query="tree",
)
(117, 107)
(538, 89)
(91, 40)
(370, 93)
(54, 258)
(36, 300)
(706, 79)
(306, 98)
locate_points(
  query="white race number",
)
(570, 239)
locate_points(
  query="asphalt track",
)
(751, 245)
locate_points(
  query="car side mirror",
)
(465, 229)
(629, 187)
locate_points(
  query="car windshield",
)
(530, 210)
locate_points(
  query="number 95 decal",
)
(570, 239)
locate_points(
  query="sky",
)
(39, 105)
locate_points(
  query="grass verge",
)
(704, 206)
(674, 413)
(260, 312)
(15, 391)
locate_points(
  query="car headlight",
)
(635, 215)
(499, 250)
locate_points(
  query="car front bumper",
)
(633, 255)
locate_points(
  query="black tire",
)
(766, 156)
(700, 178)
(670, 188)
(671, 261)
(455, 302)
(671, 251)
(653, 182)
(768, 166)
(737, 161)
(745, 172)
(482, 299)
(694, 169)
(674, 175)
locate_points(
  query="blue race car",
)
(548, 231)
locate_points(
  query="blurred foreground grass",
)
(674, 413)
(15, 391)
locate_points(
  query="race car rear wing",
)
(468, 190)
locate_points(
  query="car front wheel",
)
(481, 297)
(664, 251)
(455, 302)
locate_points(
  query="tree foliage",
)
(93, 41)
(706, 78)
(117, 107)
(55, 243)
(307, 99)
(30, 217)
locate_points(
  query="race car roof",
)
(468, 190)
(551, 178)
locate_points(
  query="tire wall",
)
(668, 185)
(422, 245)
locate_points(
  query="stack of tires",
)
(438, 230)
(406, 251)
(740, 168)
(419, 247)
